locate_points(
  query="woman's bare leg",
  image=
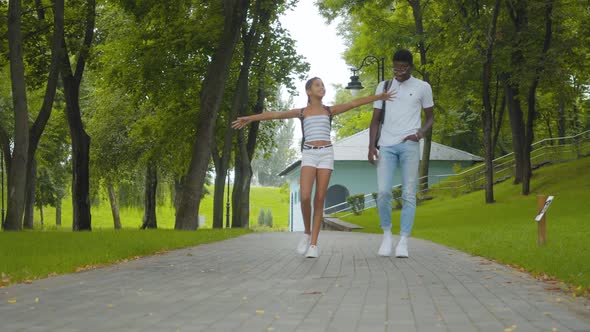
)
(322, 181)
(306, 180)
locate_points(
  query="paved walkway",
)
(258, 283)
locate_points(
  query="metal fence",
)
(546, 151)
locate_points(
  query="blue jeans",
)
(407, 156)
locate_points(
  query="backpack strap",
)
(302, 128)
(383, 106)
(382, 114)
(329, 110)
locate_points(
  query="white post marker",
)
(544, 209)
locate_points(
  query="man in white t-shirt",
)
(399, 144)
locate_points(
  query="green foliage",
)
(455, 35)
(357, 203)
(506, 231)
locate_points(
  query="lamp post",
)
(227, 202)
(355, 84)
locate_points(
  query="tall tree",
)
(418, 10)
(277, 61)
(151, 183)
(261, 18)
(40, 123)
(518, 15)
(531, 98)
(211, 93)
(17, 165)
(487, 114)
(80, 139)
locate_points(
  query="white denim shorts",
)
(318, 158)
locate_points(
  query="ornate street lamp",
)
(355, 84)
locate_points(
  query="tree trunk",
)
(41, 214)
(221, 164)
(218, 195)
(30, 194)
(114, 206)
(518, 15)
(487, 116)
(18, 164)
(243, 169)
(561, 121)
(45, 112)
(211, 94)
(517, 128)
(149, 205)
(179, 182)
(530, 135)
(425, 162)
(58, 212)
(241, 191)
(247, 146)
(498, 118)
(80, 139)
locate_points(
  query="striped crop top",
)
(316, 128)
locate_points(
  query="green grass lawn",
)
(260, 197)
(506, 231)
(37, 254)
(52, 250)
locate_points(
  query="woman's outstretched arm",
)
(243, 121)
(341, 108)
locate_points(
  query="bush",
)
(357, 203)
(261, 217)
(265, 218)
(268, 219)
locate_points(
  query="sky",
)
(321, 47)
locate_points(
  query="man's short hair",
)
(403, 55)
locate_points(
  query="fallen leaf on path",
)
(311, 292)
(11, 301)
(553, 288)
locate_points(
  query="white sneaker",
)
(401, 250)
(312, 252)
(386, 244)
(303, 244)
